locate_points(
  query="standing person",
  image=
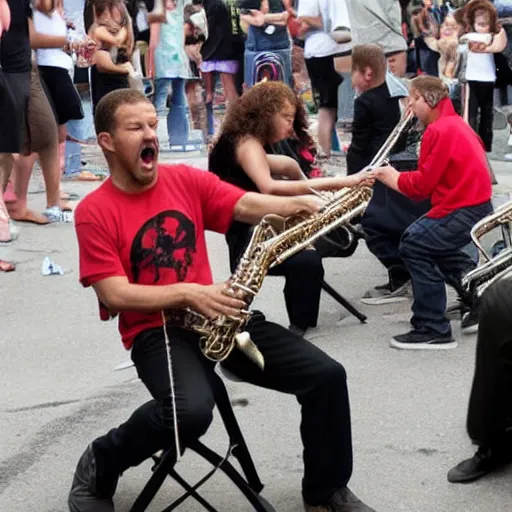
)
(320, 50)
(268, 40)
(222, 52)
(15, 67)
(170, 68)
(489, 417)
(380, 22)
(108, 74)
(482, 18)
(453, 174)
(50, 41)
(138, 200)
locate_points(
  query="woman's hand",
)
(359, 178)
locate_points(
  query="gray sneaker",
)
(85, 494)
(385, 295)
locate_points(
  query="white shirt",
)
(481, 67)
(318, 43)
(53, 25)
(377, 21)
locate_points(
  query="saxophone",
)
(493, 268)
(274, 240)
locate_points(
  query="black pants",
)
(292, 365)
(303, 275)
(490, 403)
(481, 99)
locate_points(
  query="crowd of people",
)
(438, 64)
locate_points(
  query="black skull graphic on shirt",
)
(167, 240)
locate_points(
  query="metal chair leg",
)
(344, 302)
(158, 477)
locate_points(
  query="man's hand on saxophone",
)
(387, 175)
(214, 301)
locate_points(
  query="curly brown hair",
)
(252, 114)
(471, 9)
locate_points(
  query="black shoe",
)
(483, 462)
(88, 493)
(418, 340)
(469, 322)
(343, 500)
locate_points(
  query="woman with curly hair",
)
(265, 115)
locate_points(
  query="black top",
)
(15, 52)
(103, 83)
(225, 37)
(222, 162)
(376, 114)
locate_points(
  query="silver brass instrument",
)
(492, 268)
(274, 240)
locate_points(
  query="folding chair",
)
(249, 483)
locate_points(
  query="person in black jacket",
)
(376, 113)
(489, 417)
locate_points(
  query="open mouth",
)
(148, 154)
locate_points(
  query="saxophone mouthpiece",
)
(247, 346)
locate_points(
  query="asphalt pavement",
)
(59, 391)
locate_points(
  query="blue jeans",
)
(432, 250)
(177, 120)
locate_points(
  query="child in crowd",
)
(376, 113)
(453, 174)
(112, 29)
(482, 18)
(108, 23)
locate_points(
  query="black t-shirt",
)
(15, 52)
(376, 114)
(222, 162)
(225, 37)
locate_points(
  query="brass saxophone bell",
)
(247, 346)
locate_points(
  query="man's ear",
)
(105, 141)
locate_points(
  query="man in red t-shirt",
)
(452, 173)
(142, 248)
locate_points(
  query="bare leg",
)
(326, 124)
(6, 160)
(49, 160)
(228, 84)
(194, 102)
(208, 86)
(5, 171)
(18, 209)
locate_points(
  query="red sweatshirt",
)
(452, 168)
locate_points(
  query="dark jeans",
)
(432, 252)
(387, 217)
(303, 275)
(481, 99)
(292, 365)
(490, 403)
